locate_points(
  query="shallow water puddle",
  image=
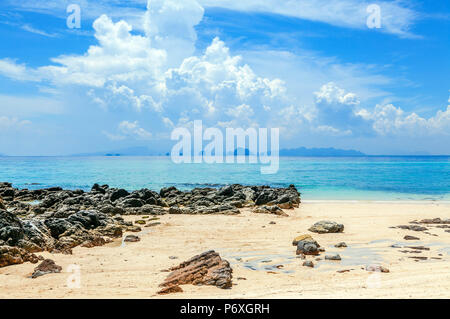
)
(260, 261)
(353, 255)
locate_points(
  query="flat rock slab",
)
(207, 268)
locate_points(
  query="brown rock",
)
(170, 290)
(412, 227)
(269, 210)
(132, 239)
(377, 268)
(48, 266)
(14, 255)
(407, 237)
(204, 269)
(300, 238)
(435, 221)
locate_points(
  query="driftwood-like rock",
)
(204, 269)
(48, 266)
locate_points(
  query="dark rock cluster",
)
(57, 220)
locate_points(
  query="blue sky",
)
(135, 70)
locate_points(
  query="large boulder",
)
(326, 226)
(204, 269)
(307, 246)
(118, 194)
(11, 228)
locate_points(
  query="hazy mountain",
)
(318, 152)
(301, 151)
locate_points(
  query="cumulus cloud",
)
(158, 73)
(131, 130)
(391, 120)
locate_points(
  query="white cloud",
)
(391, 120)
(396, 16)
(7, 123)
(158, 73)
(15, 71)
(30, 28)
(131, 130)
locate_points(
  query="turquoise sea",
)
(358, 178)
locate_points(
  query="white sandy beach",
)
(248, 240)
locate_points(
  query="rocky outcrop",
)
(115, 201)
(269, 210)
(2, 204)
(325, 226)
(47, 266)
(204, 269)
(57, 220)
(14, 255)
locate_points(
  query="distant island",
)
(296, 152)
(319, 152)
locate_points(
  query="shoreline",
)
(125, 245)
(135, 270)
(359, 201)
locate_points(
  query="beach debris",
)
(418, 247)
(48, 266)
(333, 257)
(140, 222)
(173, 257)
(131, 239)
(408, 237)
(153, 224)
(412, 227)
(207, 268)
(435, 221)
(344, 270)
(14, 255)
(269, 210)
(341, 245)
(410, 251)
(377, 268)
(272, 223)
(417, 258)
(308, 263)
(307, 246)
(324, 226)
(134, 229)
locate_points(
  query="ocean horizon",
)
(390, 178)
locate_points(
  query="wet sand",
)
(262, 257)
